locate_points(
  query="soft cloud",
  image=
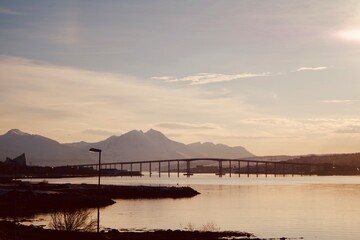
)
(99, 132)
(302, 126)
(206, 78)
(7, 11)
(47, 96)
(186, 126)
(163, 78)
(349, 129)
(340, 101)
(269, 121)
(244, 137)
(87, 105)
(310, 69)
(42, 96)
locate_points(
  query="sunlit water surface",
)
(310, 207)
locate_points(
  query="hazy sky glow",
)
(277, 76)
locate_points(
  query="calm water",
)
(309, 207)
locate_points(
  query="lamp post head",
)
(95, 150)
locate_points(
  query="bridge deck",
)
(224, 166)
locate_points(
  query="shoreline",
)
(28, 199)
(12, 231)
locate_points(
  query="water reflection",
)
(309, 207)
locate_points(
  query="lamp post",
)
(98, 212)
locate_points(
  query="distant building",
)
(19, 161)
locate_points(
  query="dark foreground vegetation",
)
(333, 164)
(26, 199)
(346, 159)
(12, 231)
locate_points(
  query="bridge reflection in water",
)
(218, 166)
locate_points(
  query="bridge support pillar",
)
(178, 168)
(140, 169)
(188, 168)
(275, 169)
(169, 169)
(220, 168)
(266, 169)
(159, 169)
(283, 168)
(248, 169)
(150, 169)
(230, 168)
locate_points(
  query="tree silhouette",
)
(76, 220)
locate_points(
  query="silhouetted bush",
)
(76, 220)
(207, 227)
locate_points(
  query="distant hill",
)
(39, 150)
(132, 146)
(349, 159)
(137, 145)
(275, 158)
(154, 145)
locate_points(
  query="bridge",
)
(220, 167)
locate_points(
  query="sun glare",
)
(350, 35)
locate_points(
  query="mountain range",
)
(132, 146)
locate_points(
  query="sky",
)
(276, 77)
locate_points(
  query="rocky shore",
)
(12, 231)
